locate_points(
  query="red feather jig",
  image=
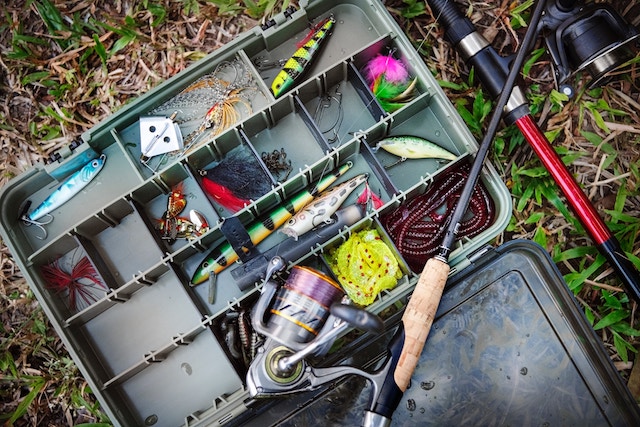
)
(81, 282)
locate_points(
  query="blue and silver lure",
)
(69, 188)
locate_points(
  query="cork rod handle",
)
(418, 318)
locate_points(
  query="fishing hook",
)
(39, 224)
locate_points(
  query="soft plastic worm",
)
(365, 266)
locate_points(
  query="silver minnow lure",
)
(69, 188)
(414, 147)
(321, 209)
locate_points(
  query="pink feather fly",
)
(393, 70)
(389, 81)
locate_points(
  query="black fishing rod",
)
(408, 342)
(492, 69)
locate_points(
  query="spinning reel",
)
(302, 319)
(592, 38)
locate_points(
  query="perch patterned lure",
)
(224, 255)
(69, 188)
(299, 62)
(320, 210)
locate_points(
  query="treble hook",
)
(39, 224)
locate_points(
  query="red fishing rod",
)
(492, 70)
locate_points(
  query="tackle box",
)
(154, 349)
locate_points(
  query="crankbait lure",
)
(320, 210)
(69, 188)
(296, 66)
(364, 266)
(224, 255)
(414, 147)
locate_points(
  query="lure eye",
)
(205, 264)
(95, 163)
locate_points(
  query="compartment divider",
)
(311, 124)
(362, 88)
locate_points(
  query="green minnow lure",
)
(69, 188)
(223, 255)
(295, 67)
(414, 147)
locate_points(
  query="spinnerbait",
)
(69, 188)
(298, 64)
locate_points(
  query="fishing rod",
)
(491, 69)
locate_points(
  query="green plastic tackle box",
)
(154, 349)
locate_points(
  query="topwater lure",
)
(414, 147)
(296, 66)
(69, 188)
(224, 255)
(321, 209)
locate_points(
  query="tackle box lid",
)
(509, 346)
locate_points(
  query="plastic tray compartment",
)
(353, 29)
(38, 185)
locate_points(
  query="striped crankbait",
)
(224, 255)
(296, 66)
(69, 188)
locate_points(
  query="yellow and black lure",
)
(295, 67)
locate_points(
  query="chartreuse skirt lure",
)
(299, 62)
(223, 255)
(364, 266)
(414, 147)
(69, 188)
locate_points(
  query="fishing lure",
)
(364, 266)
(413, 147)
(369, 198)
(417, 227)
(236, 180)
(76, 282)
(390, 82)
(224, 255)
(320, 210)
(299, 62)
(183, 228)
(69, 188)
(217, 100)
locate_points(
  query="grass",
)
(67, 65)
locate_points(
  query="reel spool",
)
(593, 38)
(302, 318)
